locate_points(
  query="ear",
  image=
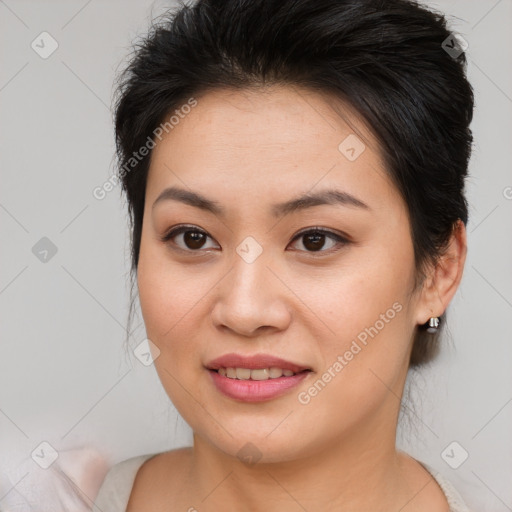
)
(442, 281)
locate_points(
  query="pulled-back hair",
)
(386, 59)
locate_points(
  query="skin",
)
(248, 150)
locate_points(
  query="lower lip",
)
(256, 390)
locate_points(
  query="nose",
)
(251, 300)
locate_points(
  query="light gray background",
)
(64, 376)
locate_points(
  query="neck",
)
(360, 471)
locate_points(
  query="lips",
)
(254, 362)
(255, 378)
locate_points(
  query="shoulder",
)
(455, 500)
(114, 492)
(439, 493)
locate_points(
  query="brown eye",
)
(194, 239)
(314, 240)
(187, 238)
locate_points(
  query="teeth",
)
(262, 374)
(243, 373)
(256, 374)
(275, 373)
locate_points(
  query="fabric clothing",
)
(115, 491)
(41, 483)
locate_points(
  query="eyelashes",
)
(317, 236)
(314, 238)
(174, 232)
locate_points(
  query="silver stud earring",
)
(433, 324)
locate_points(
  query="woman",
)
(294, 172)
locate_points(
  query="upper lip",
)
(255, 362)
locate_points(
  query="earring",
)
(433, 324)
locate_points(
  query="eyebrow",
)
(324, 197)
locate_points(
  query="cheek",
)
(173, 299)
(167, 294)
(170, 304)
(363, 354)
(353, 297)
(366, 308)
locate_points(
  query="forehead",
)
(275, 141)
(275, 116)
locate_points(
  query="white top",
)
(115, 491)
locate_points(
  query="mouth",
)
(255, 362)
(256, 373)
(255, 378)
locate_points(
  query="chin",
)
(255, 446)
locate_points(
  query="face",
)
(324, 286)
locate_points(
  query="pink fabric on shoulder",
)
(70, 484)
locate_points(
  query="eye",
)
(193, 238)
(314, 239)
